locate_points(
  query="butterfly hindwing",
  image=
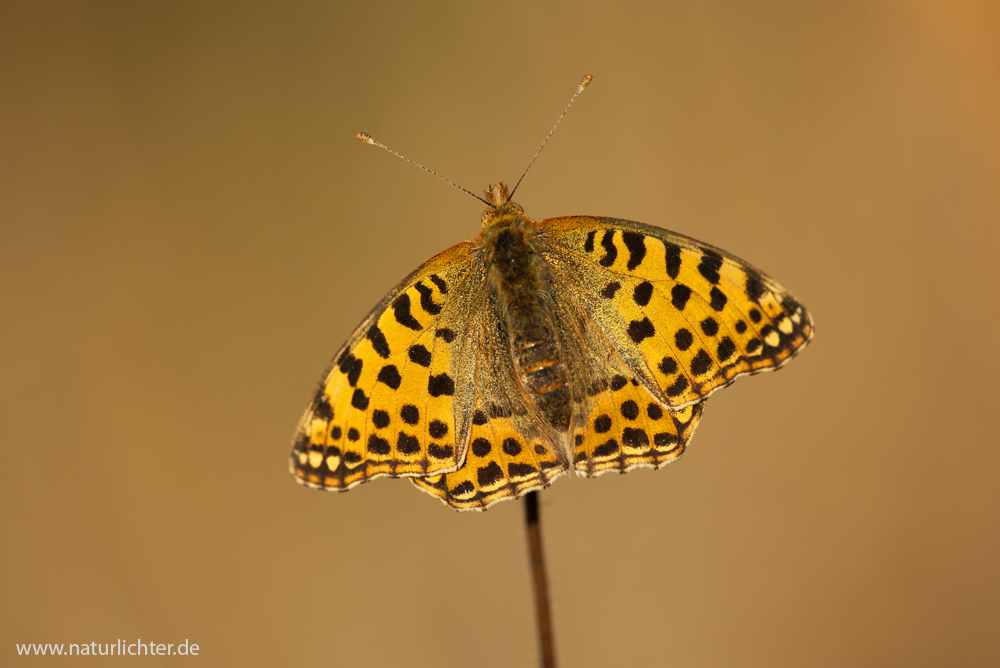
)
(627, 428)
(697, 316)
(510, 450)
(618, 422)
(386, 405)
(503, 461)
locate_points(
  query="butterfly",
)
(576, 342)
(583, 341)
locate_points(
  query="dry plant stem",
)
(541, 583)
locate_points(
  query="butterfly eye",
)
(516, 207)
(487, 215)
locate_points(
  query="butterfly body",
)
(580, 342)
(519, 277)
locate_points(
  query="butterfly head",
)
(501, 208)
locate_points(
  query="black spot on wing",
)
(643, 293)
(618, 382)
(378, 341)
(354, 372)
(668, 365)
(511, 446)
(726, 349)
(588, 245)
(683, 339)
(426, 301)
(380, 419)
(790, 305)
(679, 296)
(515, 470)
(710, 326)
(755, 289)
(636, 245)
(607, 448)
(602, 424)
(439, 451)
(359, 400)
(401, 310)
(635, 438)
(481, 447)
(610, 289)
(437, 429)
(640, 329)
(709, 266)
(321, 406)
(673, 259)
(678, 387)
(463, 489)
(407, 444)
(611, 251)
(661, 440)
(765, 333)
(378, 445)
(701, 363)
(345, 361)
(389, 375)
(489, 474)
(440, 283)
(446, 334)
(410, 414)
(441, 384)
(719, 299)
(420, 355)
(630, 410)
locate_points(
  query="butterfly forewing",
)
(697, 316)
(387, 404)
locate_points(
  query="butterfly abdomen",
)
(542, 368)
(518, 274)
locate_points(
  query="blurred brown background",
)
(189, 230)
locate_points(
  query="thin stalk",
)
(531, 516)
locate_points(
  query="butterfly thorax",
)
(518, 278)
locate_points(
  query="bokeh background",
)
(189, 230)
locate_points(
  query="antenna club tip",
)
(583, 82)
(365, 137)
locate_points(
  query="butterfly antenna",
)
(367, 138)
(579, 89)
